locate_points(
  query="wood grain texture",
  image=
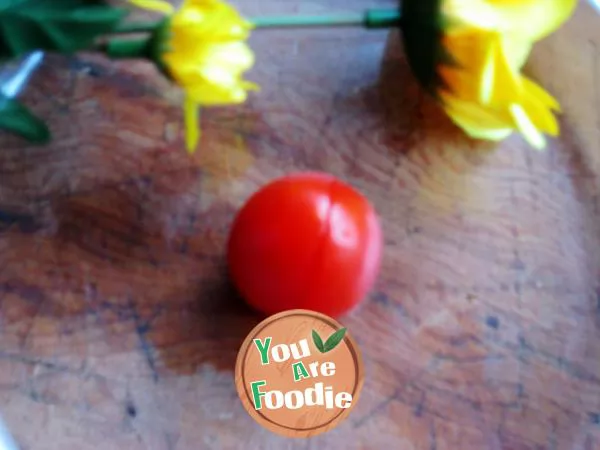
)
(118, 329)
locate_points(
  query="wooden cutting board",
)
(119, 329)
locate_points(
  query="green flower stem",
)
(126, 48)
(371, 19)
(136, 27)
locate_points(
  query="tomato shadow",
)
(205, 332)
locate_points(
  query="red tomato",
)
(305, 241)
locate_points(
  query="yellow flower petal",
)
(542, 95)
(154, 5)
(214, 20)
(526, 126)
(204, 52)
(488, 76)
(499, 81)
(483, 90)
(516, 50)
(532, 19)
(235, 57)
(192, 127)
(525, 20)
(470, 49)
(539, 113)
(479, 122)
(212, 75)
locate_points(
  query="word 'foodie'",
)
(317, 395)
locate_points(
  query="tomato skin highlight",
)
(305, 241)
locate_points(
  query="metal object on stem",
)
(15, 75)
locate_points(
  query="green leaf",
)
(334, 340)
(318, 341)
(63, 26)
(17, 119)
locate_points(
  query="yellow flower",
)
(472, 59)
(201, 47)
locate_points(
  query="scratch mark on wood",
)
(418, 411)
(141, 329)
(49, 365)
(26, 223)
(131, 410)
(432, 436)
(492, 322)
(377, 410)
